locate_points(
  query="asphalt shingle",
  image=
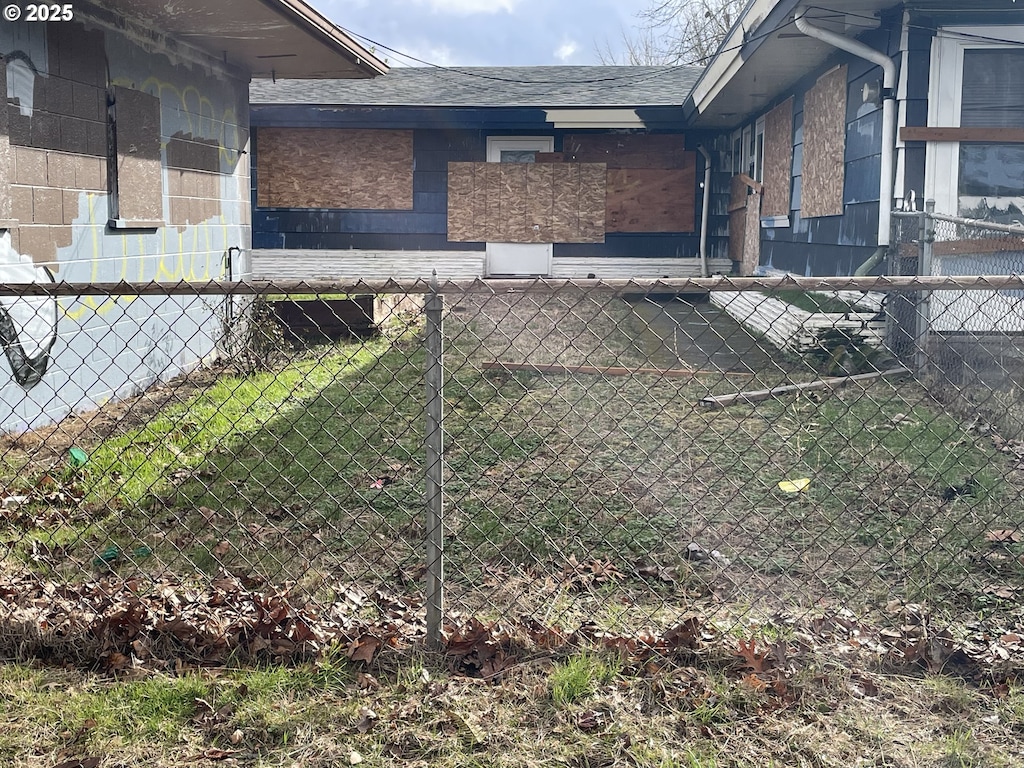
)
(597, 86)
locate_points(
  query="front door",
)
(518, 259)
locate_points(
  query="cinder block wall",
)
(122, 156)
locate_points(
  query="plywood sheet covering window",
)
(140, 195)
(824, 144)
(334, 168)
(651, 200)
(526, 202)
(778, 160)
(626, 150)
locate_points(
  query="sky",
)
(487, 32)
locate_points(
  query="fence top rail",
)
(531, 285)
(1013, 229)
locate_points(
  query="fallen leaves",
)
(123, 624)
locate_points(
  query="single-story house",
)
(479, 172)
(827, 117)
(123, 156)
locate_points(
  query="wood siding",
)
(335, 168)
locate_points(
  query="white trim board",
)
(294, 264)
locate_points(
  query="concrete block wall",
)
(62, 171)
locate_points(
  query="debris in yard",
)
(77, 457)
(80, 762)
(968, 488)
(603, 370)
(795, 486)
(1004, 536)
(834, 382)
(698, 554)
(381, 482)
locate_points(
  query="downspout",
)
(704, 212)
(886, 196)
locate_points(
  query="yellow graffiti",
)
(218, 128)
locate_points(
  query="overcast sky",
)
(487, 32)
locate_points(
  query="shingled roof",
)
(598, 86)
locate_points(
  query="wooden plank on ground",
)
(759, 395)
(602, 370)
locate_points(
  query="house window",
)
(135, 170)
(977, 84)
(758, 151)
(737, 153)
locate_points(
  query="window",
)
(977, 84)
(758, 151)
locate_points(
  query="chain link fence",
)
(474, 465)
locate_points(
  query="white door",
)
(518, 259)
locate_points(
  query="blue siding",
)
(425, 226)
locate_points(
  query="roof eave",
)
(302, 14)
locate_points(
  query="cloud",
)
(470, 7)
(565, 51)
(441, 55)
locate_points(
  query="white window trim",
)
(495, 144)
(942, 164)
(758, 161)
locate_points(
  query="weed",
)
(580, 676)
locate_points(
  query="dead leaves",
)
(130, 624)
(1004, 536)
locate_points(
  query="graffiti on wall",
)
(28, 326)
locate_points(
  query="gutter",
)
(886, 195)
(704, 212)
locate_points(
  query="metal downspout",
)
(886, 196)
(704, 212)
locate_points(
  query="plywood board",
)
(738, 190)
(628, 150)
(751, 234)
(140, 195)
(526, 202)
(737, 227)
(651, 200)
(350, 168)
(778, 159)
(824, 144)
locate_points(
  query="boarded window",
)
(778, 160)
(136, 176)
(334, 168)
(526, 202)
(824, 146)
(652, 179)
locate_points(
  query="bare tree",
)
(675, 32)
(639, 47)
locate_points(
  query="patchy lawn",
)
(627, 582)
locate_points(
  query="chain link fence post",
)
(434, 453)
(925, 235)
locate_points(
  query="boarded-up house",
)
(816, 137)
(480, 171)
(123, 157)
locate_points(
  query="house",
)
(827, 117)
(123, 156)
(479, 172)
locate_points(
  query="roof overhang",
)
(267, 38)
(765, 54)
